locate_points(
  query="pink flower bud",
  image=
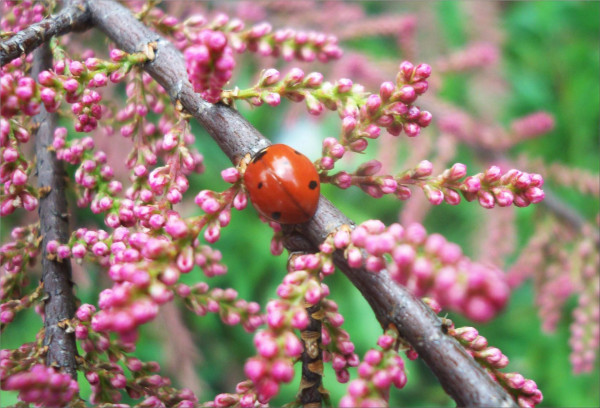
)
(271, 98)
(434, 195)
(230, 175)
(327, 163)
(486, 199)
(407, 94)
(117, 55)
(70, 85)
(479, 309)
(372, 131)
(369, 168)
(313, 105)
(424, 169)
(386, 89)
(373, 103)
(385, 341)
(293, 346)
(344, 85)
(269, 77)
(294, 76)
(534, 195)
(63, 251)
(406, 70)
(471, 184)
(492, 174)
(382, 380)
(504, 198)
(177, 228)
(412, 129)
(355, 258)
(46, 78)
(348, 124)
(422, 71)
(19, 178)
(282, 371)
(457, 171)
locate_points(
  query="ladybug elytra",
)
(283, 184)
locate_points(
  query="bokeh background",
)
(545, 57)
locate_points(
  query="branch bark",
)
(462, 378)
(54, 225)
(74, 17)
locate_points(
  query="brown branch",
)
(54, 225)
(74, 17)
(462, 378)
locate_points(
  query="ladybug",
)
(283, 184)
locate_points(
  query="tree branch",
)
(74, 17)
(462, 378)
(54, 225)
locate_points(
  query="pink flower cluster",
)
(301, 282)
(138, 291)
(273, 364)
(287, 43)
(14, 257)
(362, 114)
(108, 379)
(123, 313)
(20, 14)
(585, 329)
(76, 80)
(532, 125)
(217, 206)
(245, 397)
(428, 265)
(201, 300)
(488, 188)
(18, 94)
(565, 275)
(513, 187)
(14, 170)
(338, 348)
(42, 386)
(278, 345)
(146, 268)
(209, 47)
(524, 391)
(379, 370)
(474, 56)
(144, 97)
(87, 111)
(260, 38)
(10, 308)
(476, 132)
(209, 63)
(209, 260)
(276, 246)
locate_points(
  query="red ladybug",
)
(283, 184)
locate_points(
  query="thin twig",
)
(311, 391)
(54, 225)
(462, 378)
(74, 17)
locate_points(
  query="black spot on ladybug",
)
(312, 185)
(260, 185)
(259, 155)
(276, 215)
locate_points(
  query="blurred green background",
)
(550, 61)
